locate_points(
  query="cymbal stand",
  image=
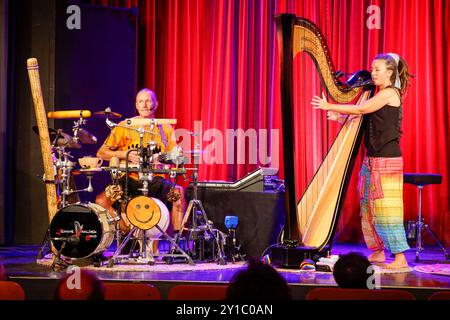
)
(195, 205)
(115, 176)
(66, 165)
(76, 127)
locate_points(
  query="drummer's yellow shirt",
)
(122, 138)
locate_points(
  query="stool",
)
(420, 180)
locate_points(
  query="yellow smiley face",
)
(143, 212)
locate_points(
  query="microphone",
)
(71, 114)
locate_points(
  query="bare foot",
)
(398, 263)
(377, 257)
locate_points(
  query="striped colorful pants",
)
(381, 198)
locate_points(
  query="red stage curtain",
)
(216, 62)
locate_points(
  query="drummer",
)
(122, 139)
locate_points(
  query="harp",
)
(310, 224)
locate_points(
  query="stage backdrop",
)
(95, 69)
(3, 112)
(88, 68)
(216, 62)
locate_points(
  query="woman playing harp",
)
(381, 176)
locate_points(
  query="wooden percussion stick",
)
(137, 122)
(41, 119)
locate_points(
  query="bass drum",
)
(163, 222)
(145, 213)
(86, 229)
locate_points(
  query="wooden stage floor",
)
(39, 281)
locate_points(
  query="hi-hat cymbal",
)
(86, 137)
(108, 114)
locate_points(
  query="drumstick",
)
(41, 119)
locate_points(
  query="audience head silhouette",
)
(258, 282)
(352, 271)
(80, 285)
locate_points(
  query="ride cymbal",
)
(107, 114)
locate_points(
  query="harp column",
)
(285, 32)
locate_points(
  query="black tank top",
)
(382, 132)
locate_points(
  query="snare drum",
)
(86, 229)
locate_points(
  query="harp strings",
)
(313, 47)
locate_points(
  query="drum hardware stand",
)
(115, 176)
(57, 261)
(201, 236)
(121, 244)
(150, 260)
(44, 244)
(144, 178)
(66, 165)
(76, 127)
(195, 207)
(63, 184)
(168, 258)
(142, 154)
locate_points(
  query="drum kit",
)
(79, 233)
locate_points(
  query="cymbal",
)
(62, 138)
(107, 114)
(86, 137)
(65, 140)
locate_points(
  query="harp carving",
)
(312, 221)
